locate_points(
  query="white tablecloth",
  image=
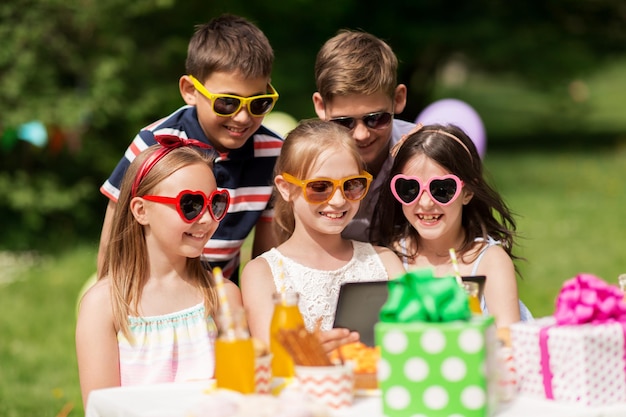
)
(173, 400)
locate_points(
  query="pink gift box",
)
(583, 363)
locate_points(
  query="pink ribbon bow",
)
(588, 299)
(584, 299)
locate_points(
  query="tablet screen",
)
(358, 307)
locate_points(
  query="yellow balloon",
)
(280, 122)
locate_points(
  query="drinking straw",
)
(227, 316)
(455, 265)
(281, 279)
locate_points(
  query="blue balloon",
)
(456, 112)
(33, 132)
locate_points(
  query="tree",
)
(95, 71)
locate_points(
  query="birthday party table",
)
(175, 400)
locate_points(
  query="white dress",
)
(525, 314)
(319, 289)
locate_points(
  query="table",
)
(173, 400)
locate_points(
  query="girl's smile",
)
(429, 218)
(333, 215)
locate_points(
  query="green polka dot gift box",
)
(437, 360)
(578, 355)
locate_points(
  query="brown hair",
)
(126, 257)
(229, 43)
(486, 215)
(301, 150)
(354, 62)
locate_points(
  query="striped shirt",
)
(175, 347)
(247, 173)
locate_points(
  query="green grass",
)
(569, 208)
(38, 373)
(570, 213)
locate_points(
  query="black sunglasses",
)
(376, 120)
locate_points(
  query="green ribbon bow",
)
(419, 296)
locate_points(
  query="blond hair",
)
(126, 257)
(302, 148)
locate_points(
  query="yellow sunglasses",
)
(321, 190)
(226, 105)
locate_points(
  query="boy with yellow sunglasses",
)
(227, 93)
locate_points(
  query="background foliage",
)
(94, 72)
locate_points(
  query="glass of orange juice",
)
(286, 316)
(234, 353)
(471, 288)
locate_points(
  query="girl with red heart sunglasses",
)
(149, 318)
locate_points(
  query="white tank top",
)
(319, 289)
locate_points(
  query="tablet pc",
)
(359, 304)
(358, 307)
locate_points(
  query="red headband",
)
(168, 143)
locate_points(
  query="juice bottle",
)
(286, 316)
(234, 354)
(471, 288)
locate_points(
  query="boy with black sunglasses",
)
(357, 88)
(227, 92)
